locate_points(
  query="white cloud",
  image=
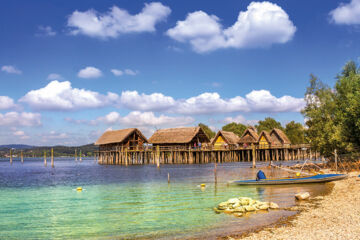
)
(153, 102)
(46, 31)
(54, 76)
(60, 96)
(130, 72)
(262, 25)
(90, 72)
(117, 21)
(347, 13)
(24, 119)
(240, 119)
(143, 119)
(117, 72)
(6, 103)
(10, 69)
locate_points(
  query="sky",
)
(70, 70)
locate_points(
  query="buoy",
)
(202, 185)
(79, 189)
(297, 174)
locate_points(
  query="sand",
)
(334, 216)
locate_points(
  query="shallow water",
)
(130, 202)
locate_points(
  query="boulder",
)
(240, 209)
(238, 214)
(228, 210)
(273, 205)
(233, 200)
(263, 206)
(249, 208)
(244, 201)
(302, 196)
(222, 205)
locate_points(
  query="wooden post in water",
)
(168, 177)
(75, 155)
(215, 175)
(52, 157)
(22, 156)
(11, 159)
(253, 156)
(158, 156)
(80, 157)
(45, 157)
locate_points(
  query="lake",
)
(134, 202)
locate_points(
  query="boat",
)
(319, 178)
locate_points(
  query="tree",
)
(295, 132)
(236, 128)
(207, 130)
(320, 111)
(268, 124)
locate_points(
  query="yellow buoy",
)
(202, 185)
(297, 174)
(79, 189)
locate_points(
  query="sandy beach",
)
(334, 216)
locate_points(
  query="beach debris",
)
(302, 196)
(239, 206)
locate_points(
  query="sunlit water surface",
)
(118, 202)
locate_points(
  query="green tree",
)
(207, 130)
(268, 124)
(320, 113)
(236, 128)
(295, 132)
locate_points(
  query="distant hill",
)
(86, 150)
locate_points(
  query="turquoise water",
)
(131, 202)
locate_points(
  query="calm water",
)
(118, 202)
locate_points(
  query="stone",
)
(238, 214)
(249, 208)
(244, 201)
(228, 211)
(273, 205)
(222, 205)
(302, 196)
(263, 206)
(240, 209)
(252, 202)
(233, 200)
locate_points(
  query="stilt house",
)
(249, 137)
(114, 140)
(279, 137)
(265, 141)
(224, 139)
(179, 137)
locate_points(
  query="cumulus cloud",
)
(54, 76)
(117, 21)
(152, 102)
(6, 103)
(45, 31)
(240, 119)
(90, 72)
(10, 69)
(23, 119)
(347, 13)
(261, 25)
(61, 96)
(20, 134)
(118, 72)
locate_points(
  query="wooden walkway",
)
(179, 155)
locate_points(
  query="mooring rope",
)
(289, 170)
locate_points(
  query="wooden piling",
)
(75, 155)
(52, 157)
(11, 157)
(22, 156)
(45, 157)
(253, 156)
(80, 157)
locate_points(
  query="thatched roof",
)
(249, 136)
(280, 136)
(178, 135)
(267, 137)
(229, 137)
(118, 136)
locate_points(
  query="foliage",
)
(210, 133)
(236, 128)
(295, 132)
(268, 124)
(333, 115)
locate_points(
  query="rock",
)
(228, 211)
(252, 202)
(240, 209)
(263, 206)
(233, 200)
(244, 201)
(249, 208)
(302, 196)
(273, 205)
(238, 214)
(217, 211)
(222, 205)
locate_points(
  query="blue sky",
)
(72, 69)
